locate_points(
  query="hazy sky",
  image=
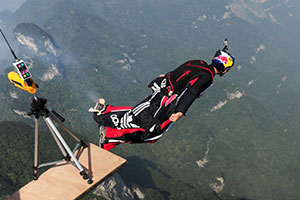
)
(11, 5)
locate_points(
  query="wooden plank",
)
(64, 181)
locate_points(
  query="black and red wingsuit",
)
(147, 121)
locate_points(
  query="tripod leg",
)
(36, 141)
(62, 149)
(78, 165)
(65, 128)
(68, 131)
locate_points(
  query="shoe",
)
(99, 107)
(102, 134)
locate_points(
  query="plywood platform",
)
(64, 182)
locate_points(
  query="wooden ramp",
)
(65, 182)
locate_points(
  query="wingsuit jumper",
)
(172, 95)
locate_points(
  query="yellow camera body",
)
(27, 85)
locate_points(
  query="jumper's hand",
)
(176, 116)
(162, 75)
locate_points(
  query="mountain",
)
(41, 47)
(238, 141)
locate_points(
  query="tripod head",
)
(38, 107)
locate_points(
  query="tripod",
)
(38, 108)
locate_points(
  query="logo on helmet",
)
(226, 61)
(223, 59)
